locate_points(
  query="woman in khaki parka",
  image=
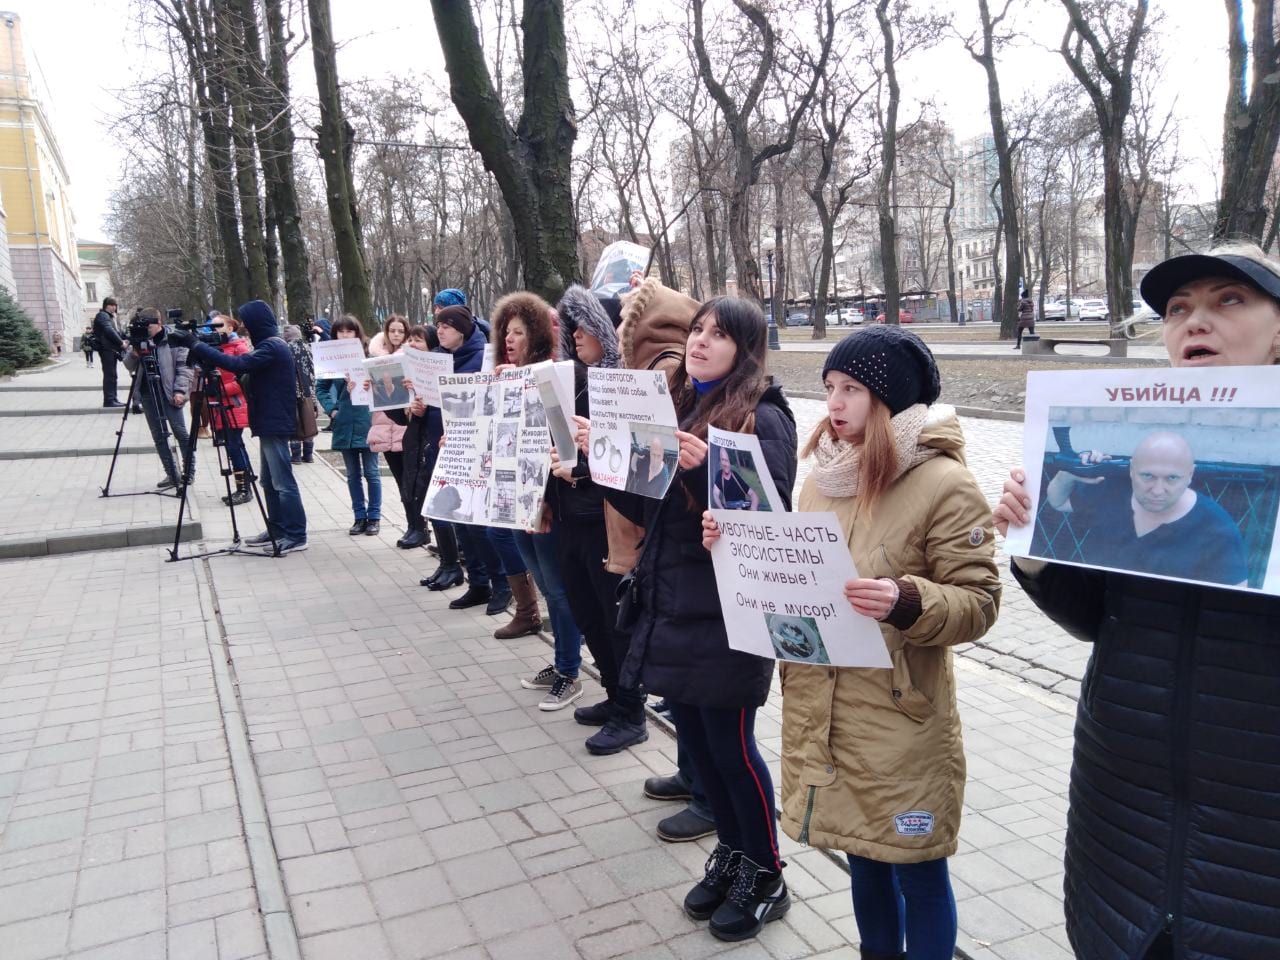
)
(872, 759)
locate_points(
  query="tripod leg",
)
(115, 455)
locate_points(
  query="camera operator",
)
(110, 346)
(267, 375)
(149, 336)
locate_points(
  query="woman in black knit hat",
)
(872, 759)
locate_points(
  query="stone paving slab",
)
(418, 802)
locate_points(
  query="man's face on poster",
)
(1160, 474)
(725, 467)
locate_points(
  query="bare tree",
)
(748, 154)
(531, 161)
(888, 165)
(1100, 46)
(983, 50)
(334, 143)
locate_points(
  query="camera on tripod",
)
(203, 334)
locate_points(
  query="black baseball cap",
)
(1165, 279)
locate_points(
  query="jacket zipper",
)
(1179, 744)
(808, 814)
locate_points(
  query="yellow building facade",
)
(40, 265)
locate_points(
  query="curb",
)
(38, 389)
(54, 365)
(54, 544)
(62, 412)
(268, 880)
(82, 452)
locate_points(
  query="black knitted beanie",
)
(892, 363)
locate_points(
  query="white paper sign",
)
(617, 262)
(555, 387)
(386, 382)
(633, 443)
(424, 370)
(338, 359)
(492, 469)
(737, 475)
(781, 580)
(1164, 473)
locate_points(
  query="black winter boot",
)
(722, 867)
(476, 594)
(447, 575)
(499, 599)
(757, 896)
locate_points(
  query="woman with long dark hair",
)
(679, 647)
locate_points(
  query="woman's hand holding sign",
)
(560, 469)
(710, 529)
(583, 437)
(871, 598)
(693, 452)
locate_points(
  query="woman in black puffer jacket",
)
(587, 337)
(679, 647)
(1173, 833)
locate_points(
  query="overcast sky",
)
(87, 51)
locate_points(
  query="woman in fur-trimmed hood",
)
(655, 326)
(536, 314)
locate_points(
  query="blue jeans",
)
(233, 439)
(510, 557)
(363, 464)
(285, 515)
(911, 902)
(177, 424)
(689, 777)
(543, 560)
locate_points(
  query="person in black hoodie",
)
(679, 647)
(273, 417)
(588, 338)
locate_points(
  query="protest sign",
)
(737, 475)
(423, 370)
(493, 467)
(617, 262)
(386, 381)
(1163, 473)
(633, 443)
(338, 359)
(555, 388)
(781, 580)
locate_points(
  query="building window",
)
(91, 292)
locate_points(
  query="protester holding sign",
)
(588, 339)
(458, 335)
(679, 646)
(523, 335)
(385, 435)
(1173, 836)
(350, 433)
(872, 759)
(418, 449)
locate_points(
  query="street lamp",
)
(774, 344)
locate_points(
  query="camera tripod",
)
(148, 374)
(208, 382)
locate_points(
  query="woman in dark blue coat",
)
(1173, 833)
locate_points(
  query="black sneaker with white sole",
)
(720, 872)
(758, 896)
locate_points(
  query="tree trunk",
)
(334, 143)
(888, 162)
(1251, 125)
(532, 162)
(781, 252)
(949, 233)
(277, 147)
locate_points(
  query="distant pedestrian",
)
(1026, 317)
(110, 347)
(86, 345)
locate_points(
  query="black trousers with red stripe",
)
(721, 743)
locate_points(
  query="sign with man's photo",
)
(1163, 473)
(633, 444)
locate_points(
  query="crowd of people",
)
(1173, 840)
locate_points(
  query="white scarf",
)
(839, 462)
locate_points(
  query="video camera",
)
(203, 334)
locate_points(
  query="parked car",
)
(844, 317)
(799, 319)
(1142, 313)
(1094, 310)
(1058, 310)
(905, 315)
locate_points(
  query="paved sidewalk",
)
(235, 756)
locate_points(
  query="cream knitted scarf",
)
(838, 462)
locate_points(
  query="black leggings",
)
(592, 592)
(721, 743)
(395, 460)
